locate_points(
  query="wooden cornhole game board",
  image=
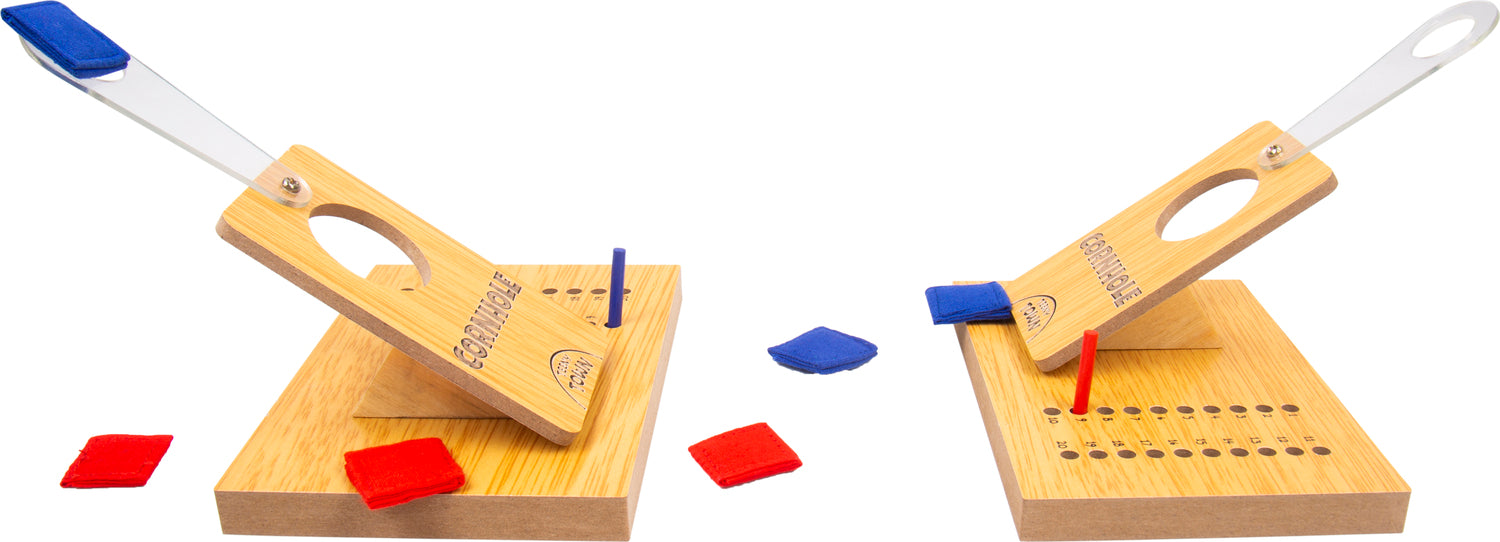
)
(1205, 420)
(289, 478)
(548, 412)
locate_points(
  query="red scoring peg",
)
(1085, 372)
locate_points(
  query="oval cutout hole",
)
(359, 241)
(1442, 38)
(1207, 205)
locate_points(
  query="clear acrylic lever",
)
(141, 94)
(1395, 72)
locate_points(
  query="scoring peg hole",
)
(1182, 453)
(1210, 452)
(1211, 409)
(1264, 408)
(1206, 205)
(1321, 450)
(1132, 410)
(1158, 409)
(1268, 452)
(1185, 409)
(1126, 454)
(1238, 409)
(1069, 454)
(1155, 454)
(1050, 411)
(1105, 410)
(1293, 450)
(1098, 454)
(549, 291)
(1239, 452)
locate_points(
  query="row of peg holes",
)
(1184, 409)
(576, 291)
(1207, 452)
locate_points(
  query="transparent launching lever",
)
(78, 53)
(1395, 72)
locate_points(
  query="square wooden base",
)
(289, 479)
(1240, 440)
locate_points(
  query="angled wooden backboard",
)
(1123, 268)
(481, 328)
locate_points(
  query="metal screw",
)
(1273, 151)
(292, 186)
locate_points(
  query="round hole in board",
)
(1268, 452)
(1239, 452)
(1158, 409)
(1264, 408)
(1182, 453)
(1211, 409)
(1210, 452)
(598, 291)
(1126, 454)
(1098, 454)
(1132, 410)
(1238, 409)
(549, 291)
(1069, 454)
(1206, 205)
(1321, 450)
(359, 240)
(1442, 38)
(1155, 454)
(1051, 411)
(1105, 410)
(1293, 450)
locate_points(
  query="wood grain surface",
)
(289, 478)
(1241, 440)
(478, 326)
(1173, 324)
(1119, 270)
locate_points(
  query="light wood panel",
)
(289, 478)
(481, 327)
(1067, 294)
(1176, 323)
(1351, 489)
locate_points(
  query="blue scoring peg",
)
(616, 289)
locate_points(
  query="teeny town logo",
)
(1036, 311)
(574, 370)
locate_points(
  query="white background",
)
(807, 163)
